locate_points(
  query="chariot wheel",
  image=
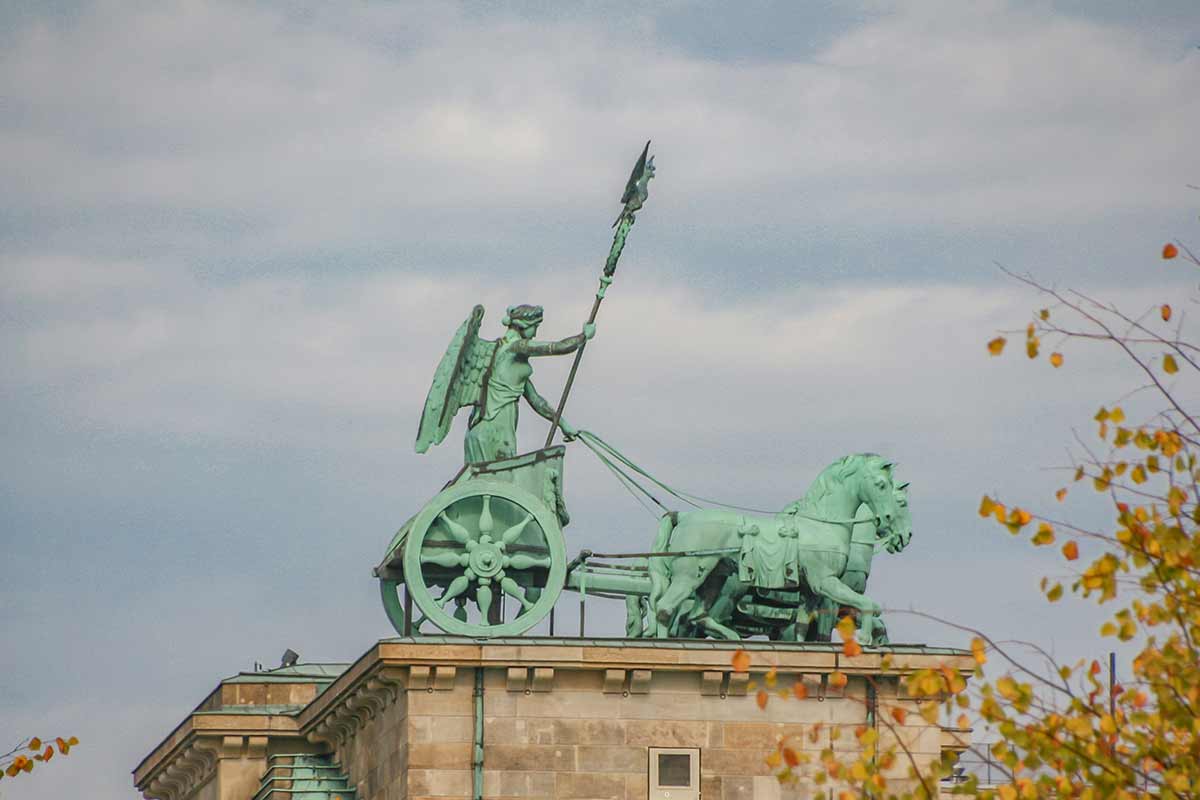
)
(485, 558)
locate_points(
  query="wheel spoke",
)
(483, 598)
(486, 521)
(510, 535)
(522, 561)
(444, 559)
(460, 534)
(456, 587)
(512, 588)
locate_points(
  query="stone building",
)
(446, 717)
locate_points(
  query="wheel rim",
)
(481, 547)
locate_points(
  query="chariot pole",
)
(635, 195)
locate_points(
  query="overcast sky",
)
(236, 238)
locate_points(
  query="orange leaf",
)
(1060, 495)
(845, 628)
(986, 506)
(789, 755)
(899, 714)
(838, 679)
(741, 661)
(851, 648)
(1170, 250)
(963, 721)
(996, 346)
(1070, 551)
(799, 690)
(1056, 359)
(35, 743)
(761, 698)
(48, 754)
(1166, 312)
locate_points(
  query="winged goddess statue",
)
(491, 376)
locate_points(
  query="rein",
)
(608, 454)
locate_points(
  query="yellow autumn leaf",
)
(851, 648)
(986, 506)
(838, 679)
(996, 346)
(963, 721)
(1056, 359)
(741, 661)
(979, 650)
(1169, 365)
(1061, 494)
(1044, 535)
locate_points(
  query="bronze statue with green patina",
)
(491, 377)
(494, 534)
(718, 564)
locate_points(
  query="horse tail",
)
(659, 576)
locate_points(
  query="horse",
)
(806, 545)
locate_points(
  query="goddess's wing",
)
(456, 382)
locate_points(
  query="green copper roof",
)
(299, 673)
(249, 708)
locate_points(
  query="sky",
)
(235, 239)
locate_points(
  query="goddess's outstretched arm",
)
(562, 347)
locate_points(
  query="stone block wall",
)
(565, 720)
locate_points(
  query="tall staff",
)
(636, 192)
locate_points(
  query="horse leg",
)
(726, 600)
(832, 587)
(715, 627)
(634, 617)
(687, 573)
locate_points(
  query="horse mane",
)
(836, 473)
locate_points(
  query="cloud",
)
(275, 134)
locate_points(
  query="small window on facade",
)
(674, 773)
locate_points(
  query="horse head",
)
(901, 532)
(887, 502)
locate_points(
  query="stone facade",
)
(561, 719)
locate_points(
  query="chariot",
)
(486, 557)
